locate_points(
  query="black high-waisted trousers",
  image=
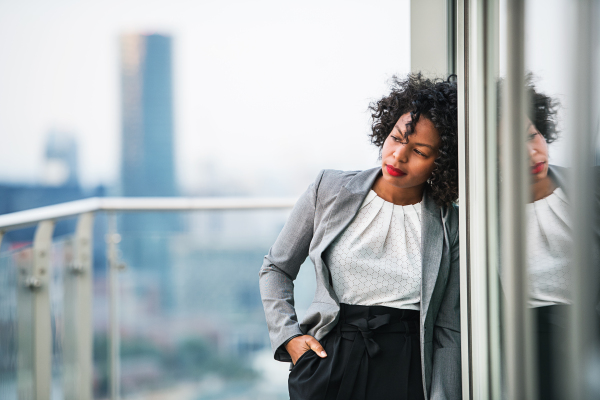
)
(551, 334)
(372, 354)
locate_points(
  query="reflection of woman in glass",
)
(549, 244)
(384, 322)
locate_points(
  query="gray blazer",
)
(320, 215)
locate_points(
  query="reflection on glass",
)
(549, 248)
(549, 257)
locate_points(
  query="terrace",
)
(157, 297)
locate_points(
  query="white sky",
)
(266, 92)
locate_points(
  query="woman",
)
(384, 322)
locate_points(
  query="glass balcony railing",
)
(140, 305)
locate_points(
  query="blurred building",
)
(147, 159)
(61, 163)
(147, 167)
(59, 184)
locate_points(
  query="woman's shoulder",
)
(330, 182)
(447, 211)
(333, 178)
(450, 214)
(449, 217)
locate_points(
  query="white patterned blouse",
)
(549, 254)
(377, 259)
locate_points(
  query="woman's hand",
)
(301, 344)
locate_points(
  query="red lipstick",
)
(537, 168)
(394, 171)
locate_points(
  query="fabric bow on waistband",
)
(353, 386)
(366, 329)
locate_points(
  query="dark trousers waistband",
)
(379, 318)
(373, 353)
(371, 321)
(361, 311)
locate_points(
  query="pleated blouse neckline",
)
(377, 259)
(549, 250)
(373, 197)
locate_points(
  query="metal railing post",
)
(34, 327)
(78, 336)
(112, 239)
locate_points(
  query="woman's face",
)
(409, 162)
(537, 148)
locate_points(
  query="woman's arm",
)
(280, 268)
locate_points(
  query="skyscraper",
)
(147, 159)
(147, 167)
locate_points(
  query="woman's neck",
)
(397, 195)
(542, 188)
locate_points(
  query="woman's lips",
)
(394, 171)
(537, 168)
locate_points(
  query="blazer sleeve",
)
(446, 369)
(280, 268)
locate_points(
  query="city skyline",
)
(287, 77)
(315, 66)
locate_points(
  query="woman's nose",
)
(531, 149)
(401, 153)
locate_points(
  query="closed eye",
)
(420, 153)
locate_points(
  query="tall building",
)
(147, 167)
(147, 159)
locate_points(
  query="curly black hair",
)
(543, 110)
(435, 100)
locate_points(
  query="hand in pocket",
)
(301, 344)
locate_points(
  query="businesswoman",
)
(384, 322)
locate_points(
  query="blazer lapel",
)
(432, 244)
(347, 204)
